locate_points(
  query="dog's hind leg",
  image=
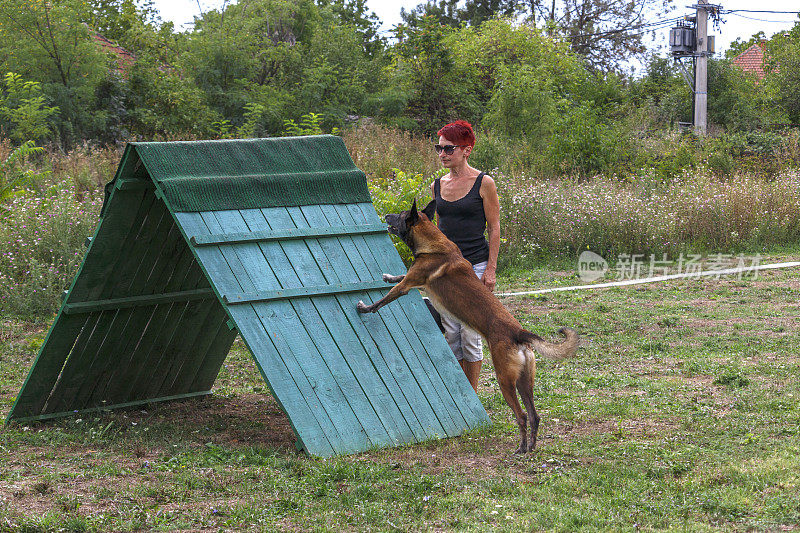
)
(527, 399)
(525, 388)
(510, 396)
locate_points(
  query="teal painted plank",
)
(428, 424)
(424, 370)
(415, 356)
(130, 280)
(283, 235)
(320, 290)
(415, 311)
(178, 349)
(136, 301)
(70, 379)
(104, 250)
(309, 345)
(283, 374)
(333, 252)
(102, 408)
(311, 270)
(352, 354)
(207, 372)
(117, 231)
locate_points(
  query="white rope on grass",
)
(737, 270)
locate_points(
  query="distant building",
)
(752, 60)
(123, 57)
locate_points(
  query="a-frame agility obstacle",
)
(273, 239)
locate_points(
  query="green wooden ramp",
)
(273, 239)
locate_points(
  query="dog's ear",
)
(430, 210)
(413, 215)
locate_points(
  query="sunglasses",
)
(447, 148)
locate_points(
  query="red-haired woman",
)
(467, 206)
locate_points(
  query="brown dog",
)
(448, 279)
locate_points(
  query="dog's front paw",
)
(387, 278)
(361, 307)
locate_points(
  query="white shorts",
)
(465, 343)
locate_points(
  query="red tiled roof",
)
(124, 58)
(752, 60)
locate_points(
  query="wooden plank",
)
(118, 229)
(189, 345)
(284, 235)
(185, 275)
(130, 279)
(173, 346)
(390, 355)
(206, 373)
(327, 250)
(286, 294)
(304, 262)
(414, 355)
(43, 376)
(152, 327)
(47, 366)
(415, 311)
(79, 412)
(82, 378)
(176, 349)
(348, 361)
(423, 369)
(310, 421)
(71, 377)
(136, 301)
(306, 346)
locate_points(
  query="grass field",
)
(680, 412)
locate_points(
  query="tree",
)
(47, 42)
(448, 13)
(605, 32)
(354, 13)
(444, 12)
(738, 46)
(24, 109)
(425, 70)
(783, 71)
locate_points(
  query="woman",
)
(467, 206)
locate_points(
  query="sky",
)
(742, 25)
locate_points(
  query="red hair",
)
(458, 132)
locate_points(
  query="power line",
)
(761, 11)
(765, 20)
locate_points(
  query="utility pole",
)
(701, 70)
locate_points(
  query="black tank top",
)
(464, 221)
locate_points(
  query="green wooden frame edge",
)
(63, 414)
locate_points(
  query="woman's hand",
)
(488, 279)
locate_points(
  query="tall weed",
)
(378, 151)
(41, 247)
(693, 213)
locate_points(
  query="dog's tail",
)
(550, 350)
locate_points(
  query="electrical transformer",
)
(682, 40)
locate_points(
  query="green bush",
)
(12, 176)
(24, 110)
(42, 244)
(396, 194)
(721, 163)
(582, 143)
